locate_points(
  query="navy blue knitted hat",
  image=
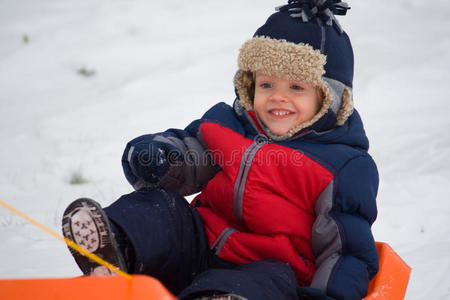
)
(303, 41)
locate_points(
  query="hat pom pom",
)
(324, 10)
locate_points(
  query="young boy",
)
(287, 186)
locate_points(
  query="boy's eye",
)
(297, 87)
(265, 85)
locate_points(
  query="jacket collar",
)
(323, 131)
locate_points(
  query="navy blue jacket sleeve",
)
(346, 256)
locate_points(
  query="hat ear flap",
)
(244, 83)
(346, 108)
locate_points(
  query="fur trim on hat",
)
(282, 59)
(290, 61)
(346, 107)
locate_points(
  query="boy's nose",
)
(279, 95)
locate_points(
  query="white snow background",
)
(161, 64)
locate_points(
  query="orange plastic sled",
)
(140, 287)
(390, 284)
(392, 279)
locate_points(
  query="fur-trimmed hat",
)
(303, 41)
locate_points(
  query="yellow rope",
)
(70, 243)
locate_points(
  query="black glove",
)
(149, 160)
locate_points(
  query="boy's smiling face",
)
(283, 104)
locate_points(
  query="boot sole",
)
(85, 223)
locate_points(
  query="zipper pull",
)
(261, 139)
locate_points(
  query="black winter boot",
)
(85, 223)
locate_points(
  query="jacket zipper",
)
(244, 168)
(222, 239)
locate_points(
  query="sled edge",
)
(392, 279)
(87, 288)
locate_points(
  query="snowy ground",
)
(160, 64)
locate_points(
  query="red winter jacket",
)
(261, 204)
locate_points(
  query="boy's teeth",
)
(280, 113)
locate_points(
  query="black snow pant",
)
(168, 239)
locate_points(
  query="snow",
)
(78, 79)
